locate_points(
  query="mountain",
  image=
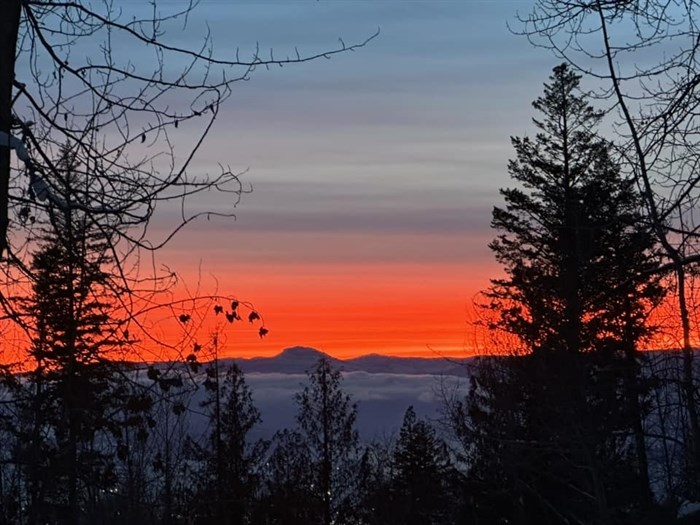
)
(293, 360)
(382, 364)
(299, 359)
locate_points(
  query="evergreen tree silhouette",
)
(231, 479)
(74, 387)
(579, 284)
(422, 474)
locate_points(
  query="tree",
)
(578, 288)
(231, 479)
(376, 502)
(312, 468)
(421, 474)
(132, 500)
(169, 464)
(291, 496)
(326, 420)
(572, 242)
(641, 57)
(74, 388)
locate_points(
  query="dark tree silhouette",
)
(579, 284)
(326, 420)
(641, 57)
(572, 241)
(311, 470)
(75, 390)
(376, 496)
(231, 480)
(290, 496)
(422, 474)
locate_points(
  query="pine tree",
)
(376, 501)
(326, 421)
(291, 496)
(231, 477)
(73, 383)
(571, 240)
(576, 294)
(421, 473)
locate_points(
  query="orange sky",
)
(374, 176)
(346, 311)
(343, 310)
(351, 310)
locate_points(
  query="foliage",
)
(230, 481)
(326, 420)
(422, 474)
(312, 469)
(290, 476)
(572, 241)
(641, 57)
(555, 424)
(73, 390)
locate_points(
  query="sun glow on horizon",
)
(397, 311)
(401, 310)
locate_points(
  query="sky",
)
(373, 173)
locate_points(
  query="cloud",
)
(382, 399)
(459, 221)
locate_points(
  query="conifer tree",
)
(231, 478)
(421, 474)
(578, 286)
(291, 497)
(572, 238)
(376, 502)
(326, 422)
(74, 385)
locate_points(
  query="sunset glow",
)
(373, 177)
(349, 310)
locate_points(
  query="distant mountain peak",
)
(301, 359)
(302, 352)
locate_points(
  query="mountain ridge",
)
(300, 359)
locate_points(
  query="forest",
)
(567, 419)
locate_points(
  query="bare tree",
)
(132, 146)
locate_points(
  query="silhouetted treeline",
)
(514, 462)
(153, 467)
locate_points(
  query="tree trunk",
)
(9, 29)
(633, 392)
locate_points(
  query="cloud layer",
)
(382, 399)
